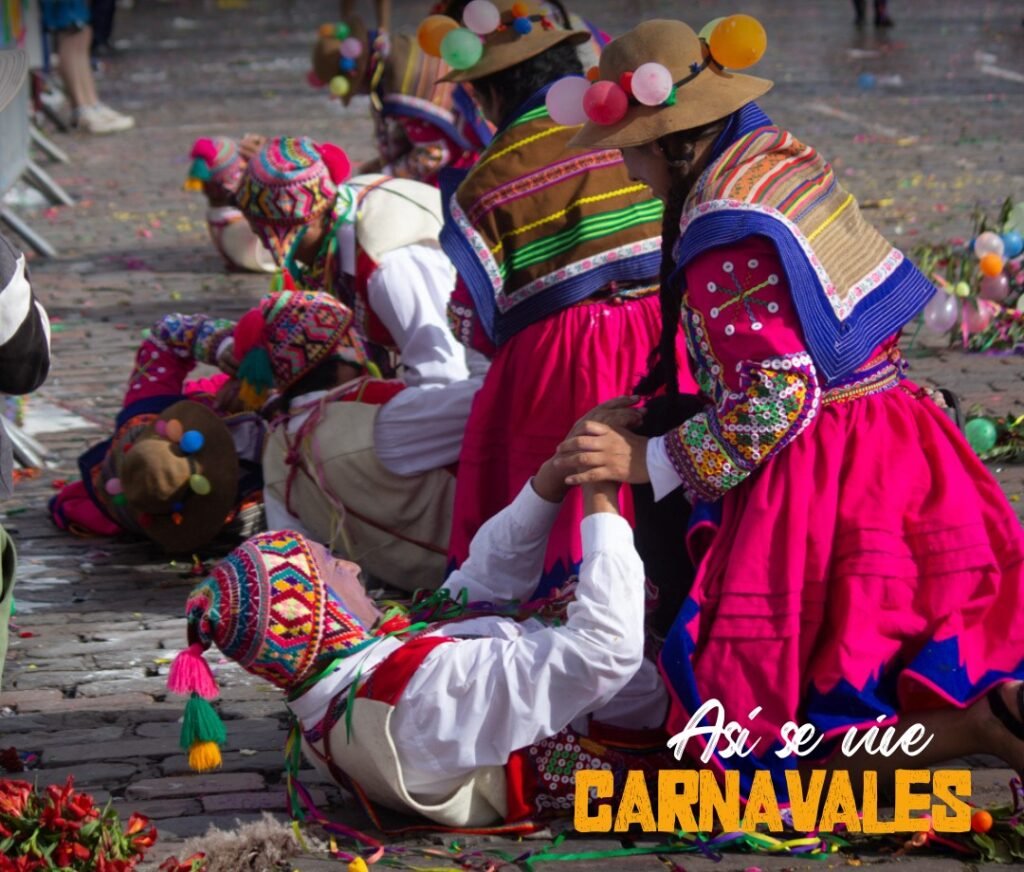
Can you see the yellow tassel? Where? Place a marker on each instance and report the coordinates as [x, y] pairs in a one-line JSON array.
[[193, 185], [358, 865], [204, 756]]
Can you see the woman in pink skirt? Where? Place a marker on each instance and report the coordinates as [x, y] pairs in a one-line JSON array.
[[856, 563]]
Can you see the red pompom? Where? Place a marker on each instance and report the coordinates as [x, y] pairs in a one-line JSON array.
[[626, 83], [338, 164], [249, 332], [204, 149]]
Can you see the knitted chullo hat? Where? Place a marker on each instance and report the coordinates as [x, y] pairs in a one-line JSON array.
[[288, 335], [281, 607], [216, 161], [287, 186]]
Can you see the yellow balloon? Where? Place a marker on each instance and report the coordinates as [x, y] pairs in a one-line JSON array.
[[432, 30], [738, 42], [339, 86]]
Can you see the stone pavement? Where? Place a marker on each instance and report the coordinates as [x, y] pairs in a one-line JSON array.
[[99, 620]]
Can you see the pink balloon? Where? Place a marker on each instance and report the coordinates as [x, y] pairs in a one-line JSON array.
[[941, 313], [652, 84], [995, 287], [481, 16], [565, 100], [605, 103], [351, 48], [978, 315]]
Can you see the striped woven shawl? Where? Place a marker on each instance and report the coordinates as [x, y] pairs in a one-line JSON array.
[[536, 226], [851, 287]]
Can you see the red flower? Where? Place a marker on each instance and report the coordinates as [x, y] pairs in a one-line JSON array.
[[67, 852], [21, 864], [105, 865], [81, 807], [136, 824], [13, 796], [51, 820]]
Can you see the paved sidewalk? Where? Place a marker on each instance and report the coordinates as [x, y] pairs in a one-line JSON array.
[[99, 620]]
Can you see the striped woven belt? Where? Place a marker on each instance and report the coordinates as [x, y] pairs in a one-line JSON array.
[[879, 374]]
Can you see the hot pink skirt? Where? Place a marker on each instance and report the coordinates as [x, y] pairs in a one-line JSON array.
[[540, 383], [872, 568]]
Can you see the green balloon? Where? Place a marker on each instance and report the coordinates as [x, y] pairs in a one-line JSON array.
[[461, 49], [705, 31], [981, 434], [342, 31], [1015, 221]]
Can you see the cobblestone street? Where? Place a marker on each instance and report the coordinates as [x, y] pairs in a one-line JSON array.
[[99, 620]]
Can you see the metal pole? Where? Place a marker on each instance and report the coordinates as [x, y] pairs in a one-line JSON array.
[[37, 242]]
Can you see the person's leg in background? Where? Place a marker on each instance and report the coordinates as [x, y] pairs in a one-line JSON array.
[[69, 21], [102, 26]]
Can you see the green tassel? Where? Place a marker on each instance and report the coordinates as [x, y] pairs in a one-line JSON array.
[[201, 724], [256, 375], [200, 170], [671, 99]]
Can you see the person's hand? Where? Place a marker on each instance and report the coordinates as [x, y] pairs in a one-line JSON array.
[[619, 412], [226, 360], [600, 452], [250, 145]]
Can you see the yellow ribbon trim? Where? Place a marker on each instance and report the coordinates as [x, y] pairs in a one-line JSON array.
[[831, 218], [596, 198]]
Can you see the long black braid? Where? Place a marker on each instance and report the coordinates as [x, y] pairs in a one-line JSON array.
[[679, 149]]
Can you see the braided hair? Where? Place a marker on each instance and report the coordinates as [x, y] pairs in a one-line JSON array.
[[680, 149]]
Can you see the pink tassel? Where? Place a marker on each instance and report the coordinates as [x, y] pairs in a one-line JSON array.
[[337, 162], [206, 149], [190, 673]]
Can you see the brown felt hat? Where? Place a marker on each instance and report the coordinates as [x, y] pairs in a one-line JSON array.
[[505, 47], [157, 481], [711, 94], [326, 59]]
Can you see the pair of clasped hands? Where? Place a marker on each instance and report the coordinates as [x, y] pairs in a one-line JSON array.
[[600, 453]]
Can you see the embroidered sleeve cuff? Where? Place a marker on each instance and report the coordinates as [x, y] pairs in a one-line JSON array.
[[701, 461]]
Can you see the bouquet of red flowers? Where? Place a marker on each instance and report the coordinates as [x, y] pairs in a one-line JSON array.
[[59, 829]]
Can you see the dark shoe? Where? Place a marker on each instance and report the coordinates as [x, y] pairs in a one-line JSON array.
[[953, 407], [883, 21]]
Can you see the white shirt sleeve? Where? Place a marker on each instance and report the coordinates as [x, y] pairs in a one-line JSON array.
[[422, 427], [279, 518], [475, 701], [663, 475], [506, 556], [409, 292]]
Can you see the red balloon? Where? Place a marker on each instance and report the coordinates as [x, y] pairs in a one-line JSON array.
[[605, 102]]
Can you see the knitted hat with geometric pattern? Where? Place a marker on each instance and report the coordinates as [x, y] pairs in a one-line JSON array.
[[217, 162], [287, 186], [288, 335], [281, 607]]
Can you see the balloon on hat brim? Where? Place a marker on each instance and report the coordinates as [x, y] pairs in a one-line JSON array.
[[651, 84], [564, 101], [481, 16], [605, 103], [1013, 244], [989, 243], [432, 31], [461, 49], [738, 42], [351, 48], [340, 86], [705, 31]]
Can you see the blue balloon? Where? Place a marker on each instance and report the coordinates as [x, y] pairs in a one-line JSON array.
[[346, 65], [866, 81], [1013, 243], [191, 442], [522, 26]]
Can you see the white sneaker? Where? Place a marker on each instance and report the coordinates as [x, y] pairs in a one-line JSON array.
[[101, 119]]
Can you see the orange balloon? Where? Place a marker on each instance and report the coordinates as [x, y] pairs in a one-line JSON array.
[[432, 30], [520, 10], [981, 821], [738, 42], [991, 264], [327, 30]]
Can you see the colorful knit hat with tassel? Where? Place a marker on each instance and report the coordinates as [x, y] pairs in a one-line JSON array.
[[216, 161], [287, 186], [281, 607], [288, 335]]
